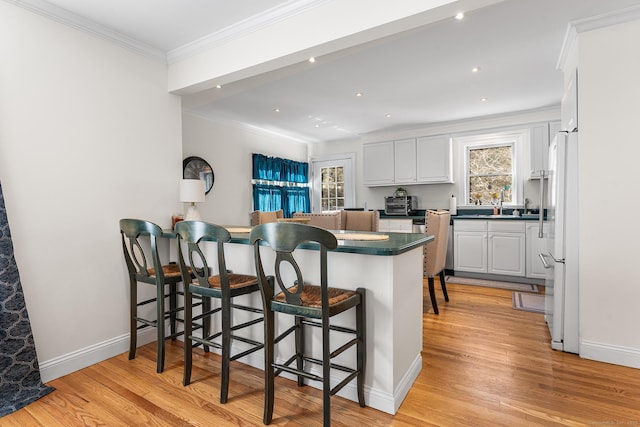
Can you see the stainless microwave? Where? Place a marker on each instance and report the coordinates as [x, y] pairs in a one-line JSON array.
[[400, 205]]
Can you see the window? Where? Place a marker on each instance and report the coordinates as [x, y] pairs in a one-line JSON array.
[[332, 197], [280, 184], [490, 167], [333, 182]]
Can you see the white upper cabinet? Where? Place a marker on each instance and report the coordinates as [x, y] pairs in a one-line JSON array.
[[538, 149], [405, 161], [378, 164], [434, 159], [425, 160]]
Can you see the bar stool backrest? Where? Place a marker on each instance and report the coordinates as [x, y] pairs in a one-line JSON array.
[[131, 230]]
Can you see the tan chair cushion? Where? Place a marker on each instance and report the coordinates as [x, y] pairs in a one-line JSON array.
[[360, 220], [262, 217], [435, 252]]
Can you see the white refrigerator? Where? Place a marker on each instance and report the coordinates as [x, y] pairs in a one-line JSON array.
[[561, 258]]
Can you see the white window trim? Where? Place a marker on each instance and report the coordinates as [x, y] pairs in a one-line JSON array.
[[517, 138], [349, 160]]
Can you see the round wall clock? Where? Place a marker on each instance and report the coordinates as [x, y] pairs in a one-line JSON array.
[[198, 168]]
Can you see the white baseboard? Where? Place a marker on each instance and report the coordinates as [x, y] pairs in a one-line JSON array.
[[617, 355], [374, 398], [71, 362]]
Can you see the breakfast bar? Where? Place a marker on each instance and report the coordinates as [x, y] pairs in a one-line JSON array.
[[389, 267]]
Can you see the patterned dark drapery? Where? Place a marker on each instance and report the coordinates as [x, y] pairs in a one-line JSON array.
[[282, 189], [20, 382]]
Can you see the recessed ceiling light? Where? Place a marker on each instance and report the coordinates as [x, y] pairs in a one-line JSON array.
[[218, 86], [276, 110], [317, 126], [459, 16], [475, 69], [387, 115], [358, 94], [312, 59], [484, 99]]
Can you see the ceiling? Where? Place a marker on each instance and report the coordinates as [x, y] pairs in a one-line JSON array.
[[409, 80]]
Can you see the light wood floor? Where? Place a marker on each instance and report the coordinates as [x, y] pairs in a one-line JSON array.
[[484, 364]]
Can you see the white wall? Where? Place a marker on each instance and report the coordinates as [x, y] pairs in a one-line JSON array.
[[88, 135], [432, 196], [228, 149], [608, 108]]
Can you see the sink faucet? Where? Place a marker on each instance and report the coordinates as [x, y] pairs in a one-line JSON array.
[[501, 200], [526, 205]]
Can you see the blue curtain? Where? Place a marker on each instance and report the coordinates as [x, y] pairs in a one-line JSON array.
[[296, 199], [271, 197], [267, 197]]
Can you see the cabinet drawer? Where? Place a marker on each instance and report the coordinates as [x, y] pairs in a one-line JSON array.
[[509, 226], [469, 225]]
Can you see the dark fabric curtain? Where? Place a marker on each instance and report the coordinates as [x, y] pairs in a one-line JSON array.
[[290, 199], [296, 199], [20, 382], [267, 197]]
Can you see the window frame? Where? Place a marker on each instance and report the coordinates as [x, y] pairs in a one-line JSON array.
[[516, 139]]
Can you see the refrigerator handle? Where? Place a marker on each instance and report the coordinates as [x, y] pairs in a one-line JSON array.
[[541, 212], [544, 261]]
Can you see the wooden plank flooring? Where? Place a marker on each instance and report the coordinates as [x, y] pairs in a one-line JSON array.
[[484, 364]]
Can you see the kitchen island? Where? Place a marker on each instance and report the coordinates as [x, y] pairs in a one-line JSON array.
[[391, 272]]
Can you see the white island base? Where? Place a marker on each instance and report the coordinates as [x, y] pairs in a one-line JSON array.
[[394, 317]]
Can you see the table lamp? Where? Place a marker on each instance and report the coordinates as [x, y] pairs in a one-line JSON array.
[[192, 191]]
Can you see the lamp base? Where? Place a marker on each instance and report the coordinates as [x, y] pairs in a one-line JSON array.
[[192, 214]]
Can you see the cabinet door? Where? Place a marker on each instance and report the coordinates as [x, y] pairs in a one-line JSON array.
[[378, 163], [405, 161], [434, 159], [535, 246], [506, 253], [538, 149], [400, 225], [470, 251]]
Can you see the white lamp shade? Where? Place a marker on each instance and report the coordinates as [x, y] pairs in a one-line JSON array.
[[192, 191]]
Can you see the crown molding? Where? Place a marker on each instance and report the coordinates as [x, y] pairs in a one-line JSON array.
[[244, 27], [593, 23], [70, 19], [252, 24]]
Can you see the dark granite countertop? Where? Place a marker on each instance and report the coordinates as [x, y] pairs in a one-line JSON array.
[[396, 244]]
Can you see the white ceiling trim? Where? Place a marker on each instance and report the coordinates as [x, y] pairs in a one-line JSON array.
[[253, 23], [593, 23], [70, 19]]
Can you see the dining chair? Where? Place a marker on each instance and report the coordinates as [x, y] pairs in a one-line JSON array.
[[311, 306], [207, 284], [435, 253], [326, 220], [133, 231], [360, 220], [262, 217]]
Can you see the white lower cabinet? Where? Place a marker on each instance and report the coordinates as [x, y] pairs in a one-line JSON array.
[[494, 247], [535, 246], [396, 225], [470, 246]]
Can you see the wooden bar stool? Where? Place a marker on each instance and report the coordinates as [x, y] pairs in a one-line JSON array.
[[308, 304], [159, 276], [224, 286]]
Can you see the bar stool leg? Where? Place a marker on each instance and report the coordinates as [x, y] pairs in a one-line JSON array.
[[432, 294]]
